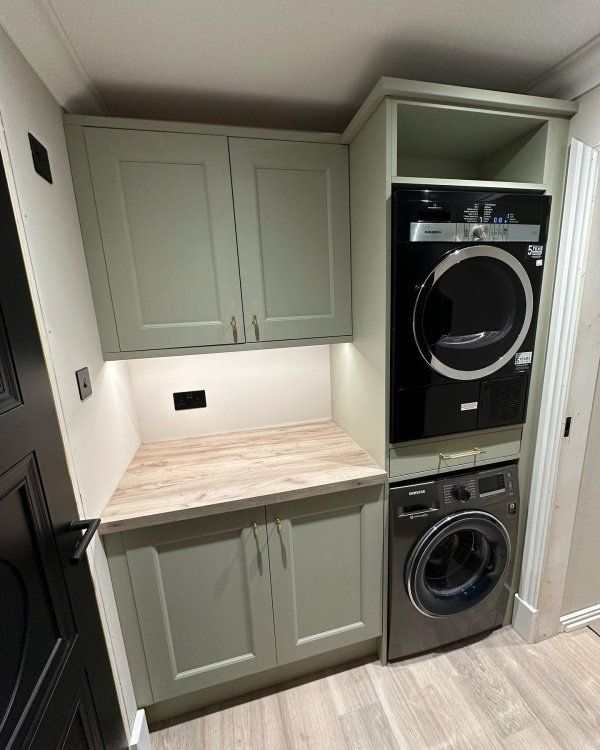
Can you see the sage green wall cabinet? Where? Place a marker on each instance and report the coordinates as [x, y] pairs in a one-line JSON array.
[[293, 229], [213, 599], [203, 598], [326, 570], [168, 232], [180, 225]]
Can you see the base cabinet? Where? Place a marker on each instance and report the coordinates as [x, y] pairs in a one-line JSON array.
[[203, 599], [326, 562], [210, 600]]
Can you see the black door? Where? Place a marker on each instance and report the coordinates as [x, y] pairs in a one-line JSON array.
[[473, 312], [457, 563], [56, 685]]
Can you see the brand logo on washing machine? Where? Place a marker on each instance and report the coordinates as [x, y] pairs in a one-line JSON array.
[[417, 492]]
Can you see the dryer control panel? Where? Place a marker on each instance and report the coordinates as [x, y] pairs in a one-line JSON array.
[[473, 232], [442, 216]]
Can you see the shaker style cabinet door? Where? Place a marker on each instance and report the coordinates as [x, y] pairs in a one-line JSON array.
[[203, 597], [326, 571], [293, 228], [166, 220]]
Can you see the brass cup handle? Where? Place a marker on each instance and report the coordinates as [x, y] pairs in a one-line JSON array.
[[234, 328], [255, 324], [462, 454], [278, 524], [254, 527]]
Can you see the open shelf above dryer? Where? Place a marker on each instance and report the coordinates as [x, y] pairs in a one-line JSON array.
[[469, 147]]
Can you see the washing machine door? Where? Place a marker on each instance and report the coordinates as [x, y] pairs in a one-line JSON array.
[[473, 312], [457, 563]]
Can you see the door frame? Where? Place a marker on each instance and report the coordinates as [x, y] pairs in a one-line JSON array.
[[558, 460]]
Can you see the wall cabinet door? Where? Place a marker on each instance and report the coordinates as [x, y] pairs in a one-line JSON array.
[[326, 571], [293, 229], [166, 219], [203, 597]]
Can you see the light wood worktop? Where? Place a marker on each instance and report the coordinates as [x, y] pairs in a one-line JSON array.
[[191, 477]]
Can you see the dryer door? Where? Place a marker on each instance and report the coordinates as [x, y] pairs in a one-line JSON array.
[[473, 312], [457, 563]]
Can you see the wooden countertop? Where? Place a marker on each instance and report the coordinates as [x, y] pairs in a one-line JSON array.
[[191, 477]]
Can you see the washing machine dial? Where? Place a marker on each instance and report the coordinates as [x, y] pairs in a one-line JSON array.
[[461, 493]]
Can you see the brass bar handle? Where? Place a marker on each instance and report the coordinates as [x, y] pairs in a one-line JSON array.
[[234, 328], [254, 526], [255, 324], [462, 454], [278, 524]]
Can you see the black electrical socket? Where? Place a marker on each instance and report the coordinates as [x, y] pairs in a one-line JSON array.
[[189, 400]]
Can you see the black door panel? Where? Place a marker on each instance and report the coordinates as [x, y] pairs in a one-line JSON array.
[[56, 684]]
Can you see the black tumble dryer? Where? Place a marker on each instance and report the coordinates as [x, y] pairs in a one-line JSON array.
[[466, 277]]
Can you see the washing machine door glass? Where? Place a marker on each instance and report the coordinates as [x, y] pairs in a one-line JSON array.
[[457, 564], [473, 312]]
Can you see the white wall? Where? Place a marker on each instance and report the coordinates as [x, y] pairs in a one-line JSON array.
[[101, 434], [244, 390]]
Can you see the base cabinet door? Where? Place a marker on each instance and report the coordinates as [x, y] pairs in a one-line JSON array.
[[203, 598], [165, 212], [293, 229], [326, 571]]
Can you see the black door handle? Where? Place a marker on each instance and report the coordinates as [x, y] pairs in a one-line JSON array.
[[90, 525]]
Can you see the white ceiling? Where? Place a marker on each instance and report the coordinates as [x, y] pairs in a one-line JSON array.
[[308, 64]]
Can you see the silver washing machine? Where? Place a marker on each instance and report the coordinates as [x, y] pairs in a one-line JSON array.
[[452, 546]]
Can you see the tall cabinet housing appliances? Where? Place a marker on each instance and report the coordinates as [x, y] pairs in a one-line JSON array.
[[466, 277]]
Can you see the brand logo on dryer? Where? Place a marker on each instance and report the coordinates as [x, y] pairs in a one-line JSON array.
[[417, 492], [433, 231]]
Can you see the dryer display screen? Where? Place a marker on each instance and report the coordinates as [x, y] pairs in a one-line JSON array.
[[493, 485]]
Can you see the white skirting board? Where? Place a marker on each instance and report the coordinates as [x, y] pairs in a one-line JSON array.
[[140, 734], [581, 618], [524, 619]]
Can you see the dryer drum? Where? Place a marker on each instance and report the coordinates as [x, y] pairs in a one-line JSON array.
[[473, 312], [457, 563]]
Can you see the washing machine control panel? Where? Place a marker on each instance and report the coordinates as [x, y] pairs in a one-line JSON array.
[[489, 485], [430, 498]]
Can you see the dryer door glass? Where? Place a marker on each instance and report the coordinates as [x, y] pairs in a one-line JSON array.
[[457, 563], [473, 312]]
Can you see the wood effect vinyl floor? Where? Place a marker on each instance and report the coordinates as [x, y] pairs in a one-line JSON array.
[[497, 692]]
